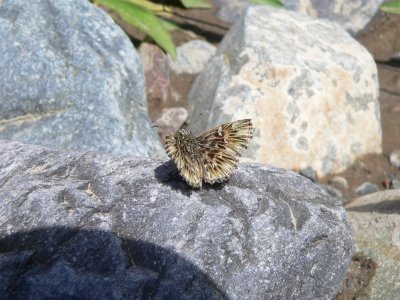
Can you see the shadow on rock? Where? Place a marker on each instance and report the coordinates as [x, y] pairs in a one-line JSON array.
[[70, 263], [168, 174], [384, 207]]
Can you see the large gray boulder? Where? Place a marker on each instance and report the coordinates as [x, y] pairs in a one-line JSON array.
[[84, 225], [310, 89], [71, 79]]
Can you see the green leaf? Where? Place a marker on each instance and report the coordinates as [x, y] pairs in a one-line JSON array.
[[144, 20], [274, 3], [392, 7], [158, 9], [169, 25], [195, 4]]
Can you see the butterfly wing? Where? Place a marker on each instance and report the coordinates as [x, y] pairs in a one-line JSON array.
[[181, 147], [220, 148]]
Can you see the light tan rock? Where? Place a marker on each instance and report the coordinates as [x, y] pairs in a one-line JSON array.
[[310, 88]]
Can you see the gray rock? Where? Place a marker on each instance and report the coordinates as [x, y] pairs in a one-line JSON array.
[[192, 57], [299, 79], [376, 223], [309, 173], [77, 224], [395, 158], [352, 16], [395, 184], [231, 10], [366, 188], [333, 191], [71, 79], [339, 181]]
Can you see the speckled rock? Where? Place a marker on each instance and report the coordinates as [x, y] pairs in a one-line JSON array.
[[353, 16], [71, 79], [77, 224], [310, 88], [376, 222]]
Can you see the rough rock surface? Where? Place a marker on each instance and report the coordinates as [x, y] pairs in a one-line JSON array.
[[71, 79], [310, 88], [352, 16], [376, 222], [78, 223]]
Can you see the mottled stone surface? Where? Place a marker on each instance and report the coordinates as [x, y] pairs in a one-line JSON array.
[[71, 79], [352, 16], [376, 222], [310, 88], [78, 223]]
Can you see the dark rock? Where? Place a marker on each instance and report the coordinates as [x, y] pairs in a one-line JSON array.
[[332, 191], [309, 173], [76, 224]]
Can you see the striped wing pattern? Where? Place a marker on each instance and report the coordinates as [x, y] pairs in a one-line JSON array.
[[213, 155]]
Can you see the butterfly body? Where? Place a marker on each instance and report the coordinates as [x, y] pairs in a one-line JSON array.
[[213, 155]]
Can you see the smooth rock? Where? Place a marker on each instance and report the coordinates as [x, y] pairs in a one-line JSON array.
[[71, 79], [339, 181], [376, 224], [192, 57], [395, 184], [300, 80], [79, 223], [366, 188], [394, 158]]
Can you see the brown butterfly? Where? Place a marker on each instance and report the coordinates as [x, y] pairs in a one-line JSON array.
[[213, 155]]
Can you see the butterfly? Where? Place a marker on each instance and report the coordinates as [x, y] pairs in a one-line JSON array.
[[213, 155]]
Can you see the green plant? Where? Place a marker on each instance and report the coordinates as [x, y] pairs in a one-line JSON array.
[[150, 18], [275, 3], [392, 7]]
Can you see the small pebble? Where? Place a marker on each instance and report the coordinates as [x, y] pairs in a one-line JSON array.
[[367, 188], [309, 173], [339, 181], [395, 158], [395, 184], [332, 191]]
